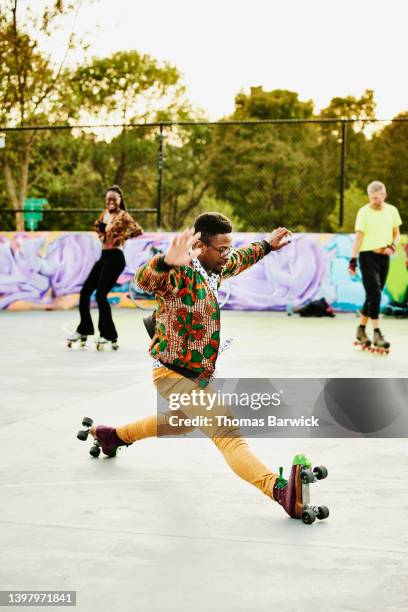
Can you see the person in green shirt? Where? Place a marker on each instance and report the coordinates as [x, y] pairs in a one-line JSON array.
[[377, 236]]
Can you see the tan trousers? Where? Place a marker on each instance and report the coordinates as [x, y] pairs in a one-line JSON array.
[[226, 438]]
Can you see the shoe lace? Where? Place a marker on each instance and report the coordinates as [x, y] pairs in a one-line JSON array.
[[281, 482]]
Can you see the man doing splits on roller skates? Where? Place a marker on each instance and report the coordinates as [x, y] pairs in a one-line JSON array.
[[185, 347], [377, 236]]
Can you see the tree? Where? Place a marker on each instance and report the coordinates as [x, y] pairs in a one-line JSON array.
[[186, 173], [390, 161], [126, 87], [358, 152], [130, 86], [359, 109], [31, 89], [276, 104], [270, 173], [133, 88], [354, 198]]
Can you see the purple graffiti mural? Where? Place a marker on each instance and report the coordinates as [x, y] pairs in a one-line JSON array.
[[28, 276], [47, 270], [290, 276], [24, 274], [71, 257]]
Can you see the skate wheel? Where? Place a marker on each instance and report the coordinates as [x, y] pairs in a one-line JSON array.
[[320, 472], [306, 476], [87, 422], [308, 517], [323, 512], [99, 347], [69, 344], [95, 451], [82, 435], [115, 346]]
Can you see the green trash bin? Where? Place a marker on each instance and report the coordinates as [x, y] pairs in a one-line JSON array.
[[33, 208]]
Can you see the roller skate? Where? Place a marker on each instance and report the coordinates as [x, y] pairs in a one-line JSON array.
[[77, 337], [102, 342], [294, 494], [362, 340], [105, 439], [380, 345]]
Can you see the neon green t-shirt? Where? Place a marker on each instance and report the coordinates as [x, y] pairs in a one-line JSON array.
[[377, 226]]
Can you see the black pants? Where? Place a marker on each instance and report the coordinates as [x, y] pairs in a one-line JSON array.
[[374, 270], [102, 277]]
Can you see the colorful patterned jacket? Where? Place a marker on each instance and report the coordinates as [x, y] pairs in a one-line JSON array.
[[188, 316], [119, 230]]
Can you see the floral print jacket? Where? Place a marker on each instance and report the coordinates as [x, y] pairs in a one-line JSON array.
[[119, 230], [188, 316]]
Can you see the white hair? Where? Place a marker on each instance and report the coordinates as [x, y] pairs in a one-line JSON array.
[[375, 186]]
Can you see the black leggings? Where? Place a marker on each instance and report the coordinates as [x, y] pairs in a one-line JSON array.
[[374, 270], [102, 277]]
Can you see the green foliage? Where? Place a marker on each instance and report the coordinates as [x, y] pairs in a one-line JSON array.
[[127, 84], [351, 107], [276, 104], [390, 162], [259, 175], [270, 173], [210, 203], [354, 198]]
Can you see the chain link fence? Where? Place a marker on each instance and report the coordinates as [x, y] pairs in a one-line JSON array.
[[309, 175]]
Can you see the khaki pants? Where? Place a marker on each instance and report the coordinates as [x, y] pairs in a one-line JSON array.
[[226, 438]]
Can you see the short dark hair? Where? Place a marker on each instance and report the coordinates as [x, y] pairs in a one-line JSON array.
[[210, 224]]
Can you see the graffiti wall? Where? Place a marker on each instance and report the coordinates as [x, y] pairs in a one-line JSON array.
[[45, 270]]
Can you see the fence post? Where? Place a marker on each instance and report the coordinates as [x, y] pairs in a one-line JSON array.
[[342, 171], [159, 177]]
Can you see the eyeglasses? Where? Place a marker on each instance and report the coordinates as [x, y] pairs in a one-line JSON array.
[[223, 251]]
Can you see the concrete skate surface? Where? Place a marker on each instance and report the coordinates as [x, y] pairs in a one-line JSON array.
[[166, 525]]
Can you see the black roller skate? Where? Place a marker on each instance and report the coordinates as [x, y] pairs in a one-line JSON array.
[[362, 340], [380, 344]]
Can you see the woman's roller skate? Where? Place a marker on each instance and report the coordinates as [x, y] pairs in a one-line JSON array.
[[362, 340], [105, 438], [77, 337], [380, 344], [293, 494], [101, 343]]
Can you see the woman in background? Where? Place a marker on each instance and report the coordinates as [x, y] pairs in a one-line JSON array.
[[113, 226]]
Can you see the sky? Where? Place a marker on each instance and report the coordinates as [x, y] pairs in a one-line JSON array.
[[318, 48]]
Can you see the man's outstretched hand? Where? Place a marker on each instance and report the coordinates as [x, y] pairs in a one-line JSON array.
[[180, 253], [278, 238]]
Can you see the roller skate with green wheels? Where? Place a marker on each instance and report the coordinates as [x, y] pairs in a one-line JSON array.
[[294, 494]]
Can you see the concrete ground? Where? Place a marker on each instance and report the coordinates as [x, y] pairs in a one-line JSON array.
[[166, 525]]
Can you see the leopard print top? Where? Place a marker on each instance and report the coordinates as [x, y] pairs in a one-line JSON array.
[[122, 227]]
